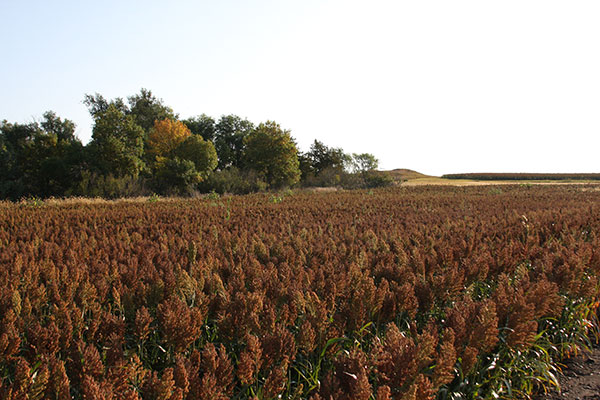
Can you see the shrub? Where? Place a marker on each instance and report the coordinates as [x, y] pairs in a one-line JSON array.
[[175, 176], [366, 180], [232, 180], [108, 186]]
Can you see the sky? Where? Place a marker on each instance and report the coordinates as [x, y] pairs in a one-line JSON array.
[[435, 86]]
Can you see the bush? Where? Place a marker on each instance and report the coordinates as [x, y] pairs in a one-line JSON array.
[[375, 179], [367, 180], [330, 176], [176, 176], [108, 186], [232, 180]]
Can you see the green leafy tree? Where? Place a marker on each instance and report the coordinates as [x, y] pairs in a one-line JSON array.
[[202, 125], [229, 140], [364, 162], [97, 104], [39, 159], [61, 168], [170, 144], [60, 154], [272, 152], [145, 108], [53, 165], [323, 165], [53, 124], [117, 143], [199, 151], [16, 141], [176, 176], [320, 158]]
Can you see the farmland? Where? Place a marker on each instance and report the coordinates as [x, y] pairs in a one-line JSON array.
[[407, 177], [524, 177], [398, 293]]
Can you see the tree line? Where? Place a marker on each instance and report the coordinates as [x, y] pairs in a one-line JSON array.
[[141, 146]]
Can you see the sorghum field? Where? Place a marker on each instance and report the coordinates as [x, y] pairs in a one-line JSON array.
[[403, 293]]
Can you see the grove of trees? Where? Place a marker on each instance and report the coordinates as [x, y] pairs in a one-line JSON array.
[[141, 146]]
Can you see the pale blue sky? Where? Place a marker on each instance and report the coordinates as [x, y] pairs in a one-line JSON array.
[[433, 85]]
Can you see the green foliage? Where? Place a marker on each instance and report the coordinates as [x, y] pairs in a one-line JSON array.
[[229, 140], [202, 125], [199, 151], [16, 141], [324, 166], [375, 179], [176, 176], [280, 196], [271, 152], [515, 372], [39, 159], [574, 328], [60, 170], [46, 159], [97, 104], [145, 108], [329, 177], [364, 162], [33, 202], [117, 144], [213, 196], [358, 180], [154, 198], [53, 124], [108, 186], [233, 180], [321, 158]]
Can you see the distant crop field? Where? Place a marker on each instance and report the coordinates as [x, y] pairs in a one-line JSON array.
[[523, 177], [398, 293]]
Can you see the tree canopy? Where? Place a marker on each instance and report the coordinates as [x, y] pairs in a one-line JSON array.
[[139, 146], [41, 159], [146, 109], [166, 136], [117, 143], [272, 152], [202, 125], [364, 162], [231, 131], [321, 157], [199, 151]]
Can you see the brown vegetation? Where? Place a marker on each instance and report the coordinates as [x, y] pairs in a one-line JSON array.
[[524, 176], [395, 293]]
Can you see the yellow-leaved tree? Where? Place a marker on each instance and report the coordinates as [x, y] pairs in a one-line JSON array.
[[179, 159], [166, 136]]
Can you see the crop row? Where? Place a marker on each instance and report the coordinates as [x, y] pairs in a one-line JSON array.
[[398, 293], [523, 176]]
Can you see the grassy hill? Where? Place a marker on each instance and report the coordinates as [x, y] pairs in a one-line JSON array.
[[403, 174]]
